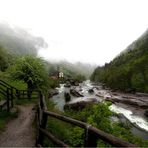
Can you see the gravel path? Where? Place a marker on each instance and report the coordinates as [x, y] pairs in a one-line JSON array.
[[20, 132]]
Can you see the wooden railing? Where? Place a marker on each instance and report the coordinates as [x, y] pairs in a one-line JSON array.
[[27, 94], [92, 134], [10, 93]]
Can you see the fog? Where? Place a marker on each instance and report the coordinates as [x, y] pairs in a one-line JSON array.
[[81, 30], [17, 40]]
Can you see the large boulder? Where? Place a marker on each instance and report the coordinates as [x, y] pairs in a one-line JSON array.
[[146, 113], [80, 105], [91, 91], [67, 85], [67, 97], [75, 93]]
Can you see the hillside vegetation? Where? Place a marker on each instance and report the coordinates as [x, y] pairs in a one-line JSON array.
[[129, 70]]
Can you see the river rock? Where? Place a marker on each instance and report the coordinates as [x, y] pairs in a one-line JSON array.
[[67, 97], [100, 95], [129, 100], [75, 93], [73, 82], [52, 93], [91, 91], [80, 105], [146, 113], [141, 94], [67, 85]]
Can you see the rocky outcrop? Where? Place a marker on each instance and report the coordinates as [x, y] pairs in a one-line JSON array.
[[129, 101], [142, 94], [75, 93]]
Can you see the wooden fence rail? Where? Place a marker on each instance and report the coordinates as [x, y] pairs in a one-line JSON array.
[[92, 134], [9, 93]]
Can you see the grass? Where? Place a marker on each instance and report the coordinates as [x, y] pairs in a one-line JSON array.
[[33, 100], [5, 117], [26, 101]]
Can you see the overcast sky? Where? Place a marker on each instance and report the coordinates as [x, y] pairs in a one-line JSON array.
[[92, 31]]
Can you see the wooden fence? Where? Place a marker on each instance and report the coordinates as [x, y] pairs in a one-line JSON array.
[[9, 93], [92, 134]]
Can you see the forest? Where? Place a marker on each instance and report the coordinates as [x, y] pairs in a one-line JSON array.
[[129, 70]]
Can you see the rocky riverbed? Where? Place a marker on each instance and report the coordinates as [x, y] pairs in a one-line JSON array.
[[132, 106]]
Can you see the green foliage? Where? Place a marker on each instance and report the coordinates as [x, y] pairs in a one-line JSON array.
[[80, 78], [5, 59], [138, 81], [17, 83], [27, 101], [100, 117], [71, 135], [76, 137], [32, 71], [58, 128], [53, 82]]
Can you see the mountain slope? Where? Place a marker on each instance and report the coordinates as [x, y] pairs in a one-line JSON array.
[[129, 70], [17, 40]]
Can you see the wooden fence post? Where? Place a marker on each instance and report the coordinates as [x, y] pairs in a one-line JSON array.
[[29, 94], [44, 118], [90, 138], [43, 125], [18, 94], [11, 97], [8, 97]]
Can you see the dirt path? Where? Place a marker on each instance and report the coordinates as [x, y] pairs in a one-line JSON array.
[[20, 132]]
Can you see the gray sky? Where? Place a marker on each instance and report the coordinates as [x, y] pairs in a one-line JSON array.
[[92, 31]]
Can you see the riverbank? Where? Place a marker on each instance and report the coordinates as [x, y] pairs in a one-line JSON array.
[[100, 94]]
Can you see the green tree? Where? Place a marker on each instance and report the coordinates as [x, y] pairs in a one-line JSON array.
[[5, 59], [32, 71], [138, 81], [80, 78]]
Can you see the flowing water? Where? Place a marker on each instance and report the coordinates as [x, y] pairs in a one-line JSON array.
[[140, 124]]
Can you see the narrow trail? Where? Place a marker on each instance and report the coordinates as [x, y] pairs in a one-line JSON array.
[[20, 131]]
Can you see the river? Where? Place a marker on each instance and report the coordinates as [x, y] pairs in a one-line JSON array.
[[139, 122]]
